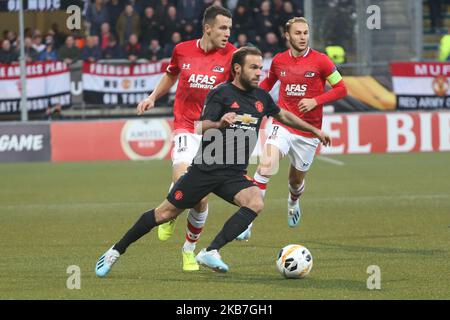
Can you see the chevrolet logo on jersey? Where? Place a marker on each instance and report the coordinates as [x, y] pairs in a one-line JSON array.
[[246, 119], [247, 122]]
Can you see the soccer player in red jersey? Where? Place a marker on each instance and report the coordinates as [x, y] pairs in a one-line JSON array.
[[302, 73], [198, 65]]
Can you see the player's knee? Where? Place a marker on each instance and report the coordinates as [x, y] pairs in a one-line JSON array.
[[202, 205], [164, 214], [264, 171], [268, 168], [257, 205]]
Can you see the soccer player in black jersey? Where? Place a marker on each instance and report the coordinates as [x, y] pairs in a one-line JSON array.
[[229, 123]]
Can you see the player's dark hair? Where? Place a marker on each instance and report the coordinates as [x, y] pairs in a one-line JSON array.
[[213, 11], [240, 54]]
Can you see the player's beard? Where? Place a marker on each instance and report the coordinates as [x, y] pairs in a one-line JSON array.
[[297, 48], [247, 83]]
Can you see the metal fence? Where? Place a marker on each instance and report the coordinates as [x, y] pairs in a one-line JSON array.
[[372, 32]]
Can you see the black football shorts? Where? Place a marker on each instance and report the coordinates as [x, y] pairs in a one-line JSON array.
[[195, 184]]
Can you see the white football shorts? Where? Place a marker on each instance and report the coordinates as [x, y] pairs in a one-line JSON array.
[[300, 149], [185, 147]]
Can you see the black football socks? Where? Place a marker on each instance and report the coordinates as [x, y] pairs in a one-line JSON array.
[[143, 226], [233, 227]]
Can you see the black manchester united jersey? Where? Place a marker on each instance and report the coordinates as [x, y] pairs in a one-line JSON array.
[[227, 150]]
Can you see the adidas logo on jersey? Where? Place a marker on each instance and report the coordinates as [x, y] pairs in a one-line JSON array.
[[234, 105], [298, 90]]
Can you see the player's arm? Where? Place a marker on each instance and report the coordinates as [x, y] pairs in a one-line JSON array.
[[212, 115], [225, 121], [337, 91], [163, 87], [268, 83], [293, 121], [167, 81]]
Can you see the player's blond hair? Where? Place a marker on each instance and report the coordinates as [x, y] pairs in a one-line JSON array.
[[290, 22]]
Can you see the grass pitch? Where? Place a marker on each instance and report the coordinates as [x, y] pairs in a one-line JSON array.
[[392, 211]]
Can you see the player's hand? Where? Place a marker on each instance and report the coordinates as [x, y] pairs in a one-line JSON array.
[[144, 105], [306, 105], [227, 119], [324, 137]]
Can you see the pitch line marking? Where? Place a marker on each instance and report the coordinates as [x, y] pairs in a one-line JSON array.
[[330, 160]]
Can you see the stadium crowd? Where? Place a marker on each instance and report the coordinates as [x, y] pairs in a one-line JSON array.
[[150, 29]]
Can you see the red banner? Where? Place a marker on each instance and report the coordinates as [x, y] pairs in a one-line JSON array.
[[388, 132], [351, 134], [421, 85]]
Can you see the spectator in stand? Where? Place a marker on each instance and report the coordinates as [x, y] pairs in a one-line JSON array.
[[242, 41], [287, 13], [114, 8], [161, 8], [265, 22], [231, 4], [96, 15], [243, 22], [28, 32], [153, 52], [128, 23], [168, 48], [189, 32], [140, 5], [188, 10], [69, 52], [12, 37], [270, 46], [255, 4], [4, 34], [105, 35], [299, 7], [113, 50], [37, 42], [171, 24], [49, 54], [31, 54], [91, 51], [132, 48], [435, 14], [276, 10], [58, 36], [7, 54], [149, 26]]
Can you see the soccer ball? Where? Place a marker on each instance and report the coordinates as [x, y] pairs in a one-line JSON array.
[[294, 261]]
